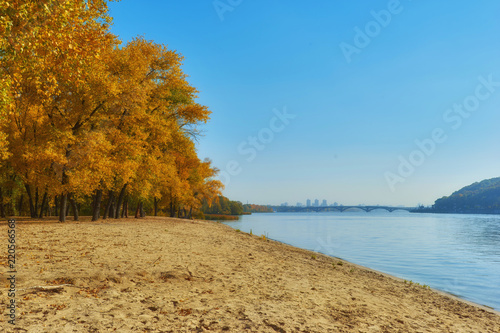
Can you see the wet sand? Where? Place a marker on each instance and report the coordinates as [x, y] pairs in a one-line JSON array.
[[172, 275]]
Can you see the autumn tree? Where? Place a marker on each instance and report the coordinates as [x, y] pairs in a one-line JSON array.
[[57, 87], [82, 117], [157, 108]]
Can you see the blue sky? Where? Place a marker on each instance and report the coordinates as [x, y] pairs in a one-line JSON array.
[[358, 102]]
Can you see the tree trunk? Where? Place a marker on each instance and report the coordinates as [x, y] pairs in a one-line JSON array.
[[111, 213], [156, 206], [96, 207], [172, 207], [120, 201], [64, 197], [20, 207], [30, 200], [190, 216], [143, 214], [56, 204], [63, 204], [138, 210], [10, 210], [48, 208], [44, 203], [35, 215], [107, 211], [125, 208], [2, 207], [74, 207]]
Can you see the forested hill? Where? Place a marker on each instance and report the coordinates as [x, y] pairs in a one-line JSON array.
[[482, 197]]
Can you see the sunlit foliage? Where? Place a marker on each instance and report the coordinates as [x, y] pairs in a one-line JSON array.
[[84, 118]]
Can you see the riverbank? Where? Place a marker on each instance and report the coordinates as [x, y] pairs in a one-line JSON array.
[[171, 275], [463, 212]]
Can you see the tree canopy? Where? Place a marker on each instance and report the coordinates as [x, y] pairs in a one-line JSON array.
[[84, 117]]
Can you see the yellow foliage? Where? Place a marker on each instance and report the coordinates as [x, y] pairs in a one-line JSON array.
[[83, 114]]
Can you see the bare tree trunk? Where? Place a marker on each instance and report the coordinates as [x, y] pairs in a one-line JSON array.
[[2, 207], [74, 207], [156, 206], [63, 204], [172, 207], [30, 200], [138, 210], [143, 214], [56, 204], [35, 215], [48, 208], [125, 208], [107, 211], [10, 209], [43, 205], [111, 213], [63, 212], [120, 201], [96, 207], [20, 207]]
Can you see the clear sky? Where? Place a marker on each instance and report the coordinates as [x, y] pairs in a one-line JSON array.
[[358, 102]]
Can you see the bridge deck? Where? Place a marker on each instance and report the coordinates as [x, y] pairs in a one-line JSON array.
[[342, 208]]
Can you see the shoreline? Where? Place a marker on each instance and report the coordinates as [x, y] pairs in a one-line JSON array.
[[173, 275], [388, 275], [424, 211], [442, 292]]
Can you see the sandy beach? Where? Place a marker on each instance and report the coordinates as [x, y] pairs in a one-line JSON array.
[[171, 275]]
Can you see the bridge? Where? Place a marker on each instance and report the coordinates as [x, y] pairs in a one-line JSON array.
[[340, 208]]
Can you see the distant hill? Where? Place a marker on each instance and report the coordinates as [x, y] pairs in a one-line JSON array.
[[478, 198]]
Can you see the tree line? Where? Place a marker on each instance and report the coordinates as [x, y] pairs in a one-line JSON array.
[[222, 206], [90, 124]]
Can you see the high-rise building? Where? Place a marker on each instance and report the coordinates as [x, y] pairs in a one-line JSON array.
[[316, 203], [324, 204], [308, 203]]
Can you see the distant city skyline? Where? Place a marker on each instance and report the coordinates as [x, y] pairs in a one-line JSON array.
[[324, 203], [309, 203]]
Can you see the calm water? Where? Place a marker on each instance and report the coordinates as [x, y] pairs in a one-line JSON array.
[[459, 254]]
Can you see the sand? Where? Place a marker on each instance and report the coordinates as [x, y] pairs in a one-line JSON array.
[[172, 275]]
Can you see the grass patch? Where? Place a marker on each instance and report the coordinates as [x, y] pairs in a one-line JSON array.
[[411, 283]]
